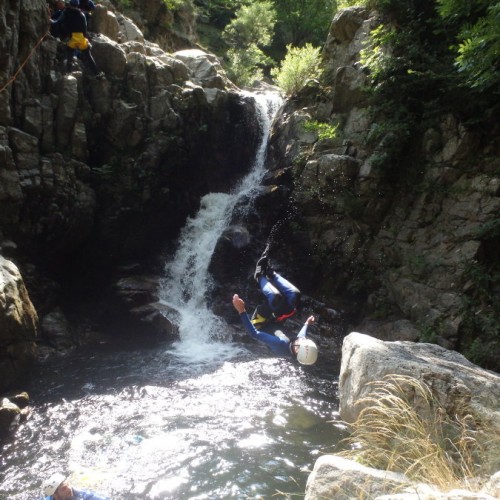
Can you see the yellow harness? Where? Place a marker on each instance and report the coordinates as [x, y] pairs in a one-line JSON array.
[[78, 41]]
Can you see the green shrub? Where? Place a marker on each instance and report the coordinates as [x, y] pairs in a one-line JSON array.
[[322, 129], [174, 4], [479, 51], [251, 29], [245, 66], [253, 25], [300, 64], [170, 4]]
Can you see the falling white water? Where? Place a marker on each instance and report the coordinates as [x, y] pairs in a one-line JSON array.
[[187, 280]]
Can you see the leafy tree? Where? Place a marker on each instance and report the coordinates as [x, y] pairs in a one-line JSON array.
[[461, 9], [245, 66], [251, 29], [476, 27], [253, 24], [300, 64], [174, 4], [218, 12], [478, 50], [304, 21]]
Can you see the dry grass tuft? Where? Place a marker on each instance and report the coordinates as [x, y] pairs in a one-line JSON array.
[[404, 429]]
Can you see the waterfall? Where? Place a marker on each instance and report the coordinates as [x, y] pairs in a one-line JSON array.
[[187, 280]]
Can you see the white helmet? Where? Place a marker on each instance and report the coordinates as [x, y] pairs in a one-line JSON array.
[[307, 353], [52, 483]]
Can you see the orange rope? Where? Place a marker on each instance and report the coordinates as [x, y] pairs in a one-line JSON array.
[[15, 75]]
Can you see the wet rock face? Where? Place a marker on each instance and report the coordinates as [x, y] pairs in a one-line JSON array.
[[94, 173], [399, 251], [18, 327], [89, 162]]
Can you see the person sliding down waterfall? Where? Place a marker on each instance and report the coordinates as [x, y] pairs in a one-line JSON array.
[[282, 299]]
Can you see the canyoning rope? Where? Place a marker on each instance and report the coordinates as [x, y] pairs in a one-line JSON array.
[[16, 74]]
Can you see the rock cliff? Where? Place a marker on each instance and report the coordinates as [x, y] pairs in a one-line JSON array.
[[98, 173], [408, 251], [98, 176]]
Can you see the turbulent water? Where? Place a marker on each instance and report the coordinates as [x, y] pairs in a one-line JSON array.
[[202, 418]]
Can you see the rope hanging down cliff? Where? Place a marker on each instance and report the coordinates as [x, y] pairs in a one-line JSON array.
[[16, 74]]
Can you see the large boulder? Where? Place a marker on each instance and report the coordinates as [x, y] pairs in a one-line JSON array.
[[136, 307], [449, 375], [18, 327], [345, 39], [206, 69], [452, 381], [342, 479]]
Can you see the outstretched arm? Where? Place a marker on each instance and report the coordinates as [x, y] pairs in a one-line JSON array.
[[239, 304], [275, 343], [309, 321]]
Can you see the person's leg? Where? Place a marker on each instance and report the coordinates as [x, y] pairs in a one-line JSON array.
[[70, 55], [89, 61], [273, 296], [290, 291]]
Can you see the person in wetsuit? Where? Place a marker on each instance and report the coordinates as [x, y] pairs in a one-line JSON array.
[[73, 23], [282, 298], [57, 487]]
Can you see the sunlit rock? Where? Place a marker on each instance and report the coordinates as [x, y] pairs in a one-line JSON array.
[[339, 478], [18, 327], [109, 56], [451, 377], [336, 477], [205, 68], [10, 415]]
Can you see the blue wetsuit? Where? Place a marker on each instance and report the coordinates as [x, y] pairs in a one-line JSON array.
[[278, 345], [282, 298], [83, 495]]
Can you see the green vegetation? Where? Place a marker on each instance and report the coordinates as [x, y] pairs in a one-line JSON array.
[[322, 129], [426, 52], [300, 22], [300, 64], [244, 67], [174, 4], [426, 59], [251, 29], [461, 32], [479, 35], [170, 4], [256, 35], [429, 446]]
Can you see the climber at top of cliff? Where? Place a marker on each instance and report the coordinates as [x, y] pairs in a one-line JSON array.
[[87, 6], [73, 23], [57, 10]]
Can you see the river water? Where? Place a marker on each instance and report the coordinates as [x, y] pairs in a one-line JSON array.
[[200, 418]]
